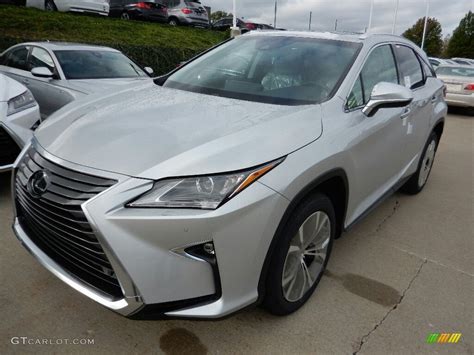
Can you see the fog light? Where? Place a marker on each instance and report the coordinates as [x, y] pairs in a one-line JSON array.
[[209, 248]]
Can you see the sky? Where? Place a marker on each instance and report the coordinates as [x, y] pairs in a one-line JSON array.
[[352, 15]]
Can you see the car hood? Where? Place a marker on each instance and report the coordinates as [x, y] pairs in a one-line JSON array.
[[159, 132], [9, 88], [91, 86]]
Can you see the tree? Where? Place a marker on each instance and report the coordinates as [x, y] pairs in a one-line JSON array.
[[217, 15], [446, 41], [462, 40], [433, 41]]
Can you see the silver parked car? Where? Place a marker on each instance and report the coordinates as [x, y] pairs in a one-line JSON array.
[[187, 12], [226, 184], [98, 7], [19, 116], [459, 80], [58, 73]]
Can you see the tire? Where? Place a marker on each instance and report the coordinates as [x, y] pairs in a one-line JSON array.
[[50, 6], [288, 262], [125, 16], [418, 180], [173, 21]]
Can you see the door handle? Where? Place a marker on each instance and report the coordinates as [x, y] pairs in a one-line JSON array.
[[406, 112]]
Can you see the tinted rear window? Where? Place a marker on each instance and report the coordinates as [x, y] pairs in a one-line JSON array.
[[456, 71]]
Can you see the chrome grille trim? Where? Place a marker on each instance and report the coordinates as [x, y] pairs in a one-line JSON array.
[[56, 223]]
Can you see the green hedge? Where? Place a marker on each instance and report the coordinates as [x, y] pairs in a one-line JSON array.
[[159, 46]]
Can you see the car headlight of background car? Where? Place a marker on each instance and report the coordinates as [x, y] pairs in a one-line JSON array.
[[203, 192], [21, 102]]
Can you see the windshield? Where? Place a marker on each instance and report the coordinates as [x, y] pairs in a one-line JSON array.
[[456, 71], [77, 64], [279, 70]]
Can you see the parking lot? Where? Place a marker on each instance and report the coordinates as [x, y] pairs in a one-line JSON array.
[[402, 273]]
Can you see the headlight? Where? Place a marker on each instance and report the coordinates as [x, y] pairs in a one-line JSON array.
[[203, 192], [21, 102]]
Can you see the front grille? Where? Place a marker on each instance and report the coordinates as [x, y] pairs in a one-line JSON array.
[[9, 150], [56, 223]]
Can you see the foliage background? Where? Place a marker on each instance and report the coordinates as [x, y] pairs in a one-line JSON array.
[[159, 46]]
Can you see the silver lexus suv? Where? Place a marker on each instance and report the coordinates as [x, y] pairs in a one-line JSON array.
[[226, 184]]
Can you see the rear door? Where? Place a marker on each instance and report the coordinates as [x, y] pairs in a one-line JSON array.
[[417, 124]]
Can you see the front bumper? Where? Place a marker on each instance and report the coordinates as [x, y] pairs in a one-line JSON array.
[[143, 246], [460, 100]]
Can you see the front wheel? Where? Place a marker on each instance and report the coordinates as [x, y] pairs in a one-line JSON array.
[[301, 255], [418, 180], [50, 6], [125, 16]]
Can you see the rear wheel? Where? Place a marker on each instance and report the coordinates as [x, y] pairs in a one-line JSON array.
[[173, 21], [418, 180], [50, 6], [301, 255]]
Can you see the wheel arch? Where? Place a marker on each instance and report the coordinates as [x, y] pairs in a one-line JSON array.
[[53, 2], [172, 17], [438, 128], [334, 184]]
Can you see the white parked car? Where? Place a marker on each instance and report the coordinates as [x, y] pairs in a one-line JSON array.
[[459, 82], [59, 73], [19, 115], [100, 7]]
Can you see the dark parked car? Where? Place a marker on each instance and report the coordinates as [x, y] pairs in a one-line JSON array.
[[144, 10], [226, 23]]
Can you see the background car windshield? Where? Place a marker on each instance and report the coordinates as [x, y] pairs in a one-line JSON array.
[[278, 70], [456, 71], [97, 65]]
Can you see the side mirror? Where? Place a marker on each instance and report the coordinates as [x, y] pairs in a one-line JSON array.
[[149, 70], [386, 95], [42, 72]]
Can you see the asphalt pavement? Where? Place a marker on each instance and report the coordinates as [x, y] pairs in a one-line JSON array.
[[404, 272]]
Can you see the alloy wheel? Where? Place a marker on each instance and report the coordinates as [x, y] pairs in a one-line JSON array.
[[306, 256], [427, 163]]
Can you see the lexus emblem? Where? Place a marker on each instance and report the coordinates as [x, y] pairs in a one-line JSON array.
[[38, 183]]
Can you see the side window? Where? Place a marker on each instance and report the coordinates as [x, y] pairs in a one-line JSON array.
[[356, 97], [173, 3], [17, 58], [40, 58], [379, 66], [427, 69], [410, 68]]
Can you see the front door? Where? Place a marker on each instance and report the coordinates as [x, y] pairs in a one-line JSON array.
[[378, 142]]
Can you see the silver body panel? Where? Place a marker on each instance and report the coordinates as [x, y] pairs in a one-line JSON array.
[[148, 135]]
